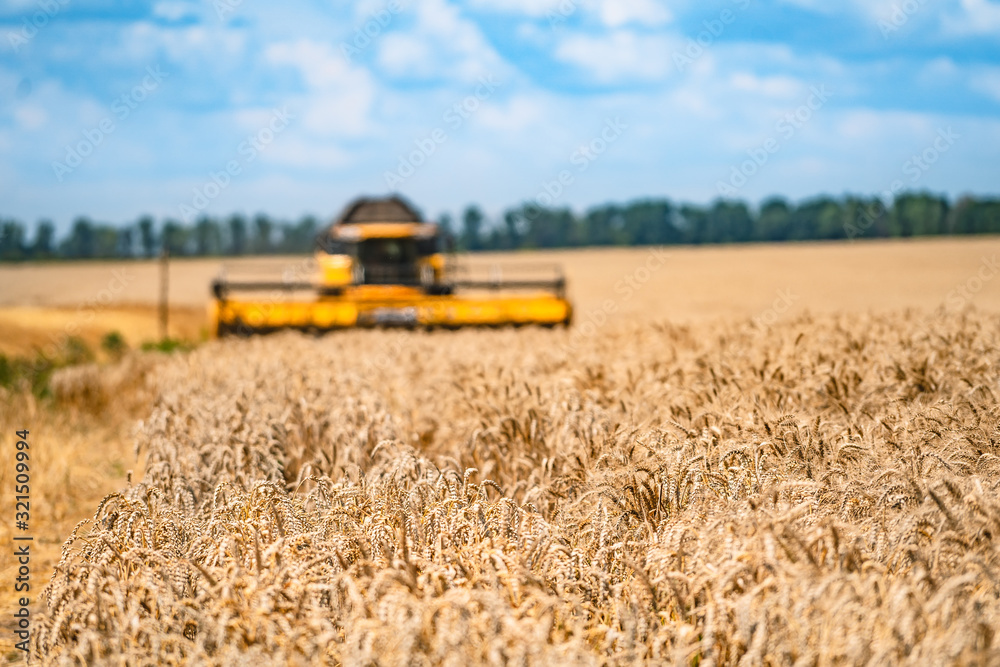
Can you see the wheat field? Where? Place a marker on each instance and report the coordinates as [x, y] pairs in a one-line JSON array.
[[796, 485]]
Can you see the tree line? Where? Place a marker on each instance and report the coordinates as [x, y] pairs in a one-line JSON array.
[[641, 222]]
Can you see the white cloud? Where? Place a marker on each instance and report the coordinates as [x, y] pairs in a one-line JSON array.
[[439, 44], [610, 13], [402, 54], [938, 70], [977, 17], [533, 8], [340, 95], [206, 46], [305, 152], [30, 116], [881, 127], [783, 87], [174, 10], [621, 55], [520, 113], [987, 81], [873, 10], [616, 13]]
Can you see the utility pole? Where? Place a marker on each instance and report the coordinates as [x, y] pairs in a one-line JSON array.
[[164, 291]]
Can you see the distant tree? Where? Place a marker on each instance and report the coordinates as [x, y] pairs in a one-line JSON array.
[[44, 246], [865, 217], [512, 230], [649, 222], [126, 242], [175, 238], [207, 236], [818, 218], [263, 228], [551, 228], [447, 229], [640, 222], [972, 216], [446, 224], [147, 235], [830, 219], [774, 220], [237, 235], [12, 241], [299, 237], [694, 224], [472, 225], [729, 222], [989, 211], [598, 226], [918, 214], [80, 244], [105, 241]]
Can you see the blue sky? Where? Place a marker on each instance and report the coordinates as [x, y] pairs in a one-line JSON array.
[[174, 108]]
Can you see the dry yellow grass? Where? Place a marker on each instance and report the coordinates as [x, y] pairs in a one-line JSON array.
[[811, 486], [79, 453], [27, 330]]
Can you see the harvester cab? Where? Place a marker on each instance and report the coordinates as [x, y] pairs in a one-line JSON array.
[[381, 264]]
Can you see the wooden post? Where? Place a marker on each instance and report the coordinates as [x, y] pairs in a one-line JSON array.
[[164, 291]]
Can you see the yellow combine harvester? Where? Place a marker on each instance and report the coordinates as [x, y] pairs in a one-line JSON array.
[[381, 265]]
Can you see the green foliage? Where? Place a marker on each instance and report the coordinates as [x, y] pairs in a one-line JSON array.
[[33, 373], [208, 237], [975, 217], [263, 240], [12, 244], [76, 351], [175, 238], [640, 222], [472, 223], [6, 371], [237, 235], [167, 345], [19, 373], [660, 222], [147, 235], [114, 344]]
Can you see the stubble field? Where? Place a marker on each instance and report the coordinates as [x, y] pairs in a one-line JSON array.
[[739, 456]]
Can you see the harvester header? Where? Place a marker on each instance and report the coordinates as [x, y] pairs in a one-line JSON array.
[[381, 265]]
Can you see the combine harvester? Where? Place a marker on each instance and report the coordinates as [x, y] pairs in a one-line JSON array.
[[381, 265]]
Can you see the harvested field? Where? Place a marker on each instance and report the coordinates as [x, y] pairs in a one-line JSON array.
[[694, 284], [817, 487]]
